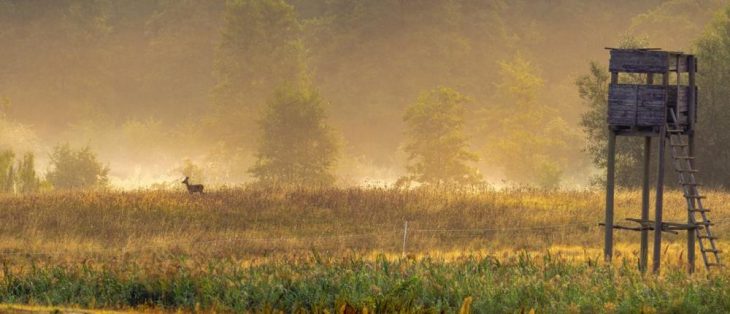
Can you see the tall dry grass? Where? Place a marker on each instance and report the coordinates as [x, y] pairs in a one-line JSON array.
[[254, 223]]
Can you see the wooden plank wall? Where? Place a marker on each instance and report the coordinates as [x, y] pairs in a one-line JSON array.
[[638, 61], [647, 61], [622, 104], [643, 105]]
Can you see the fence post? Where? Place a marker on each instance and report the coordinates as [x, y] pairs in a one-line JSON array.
[[405, 236]]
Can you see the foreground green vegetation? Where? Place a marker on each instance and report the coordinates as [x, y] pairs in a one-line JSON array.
[[316, 284]]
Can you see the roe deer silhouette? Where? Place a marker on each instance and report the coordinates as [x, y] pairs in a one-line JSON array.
[[193, 188]]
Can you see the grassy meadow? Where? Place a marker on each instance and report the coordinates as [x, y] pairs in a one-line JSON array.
[[341, 250]]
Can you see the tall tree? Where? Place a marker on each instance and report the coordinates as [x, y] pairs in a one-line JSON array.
[[373, 58], [437, 147], [296, 146], [713, 140], [674, 24], [260, 48], [526, 139]]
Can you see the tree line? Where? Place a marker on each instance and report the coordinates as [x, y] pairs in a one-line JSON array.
[[289, 91], [70, 169], [439, 151]]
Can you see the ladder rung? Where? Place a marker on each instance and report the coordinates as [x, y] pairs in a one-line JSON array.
[[711, 250], [686, 170], [702, 236], [675, 131], [685, 157], [700, 210], [714, 265]]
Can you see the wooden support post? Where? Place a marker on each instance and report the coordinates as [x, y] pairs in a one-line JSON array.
[[610, 173], [659, 201], [660, 184], [691, 232], [644, 254], [692, 119], [691, 96]]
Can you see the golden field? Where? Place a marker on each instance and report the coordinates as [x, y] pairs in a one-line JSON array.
[[252, 224], [267, 250]]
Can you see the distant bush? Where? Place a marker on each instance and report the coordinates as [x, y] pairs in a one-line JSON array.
[[22, 177], [191, 170], [296, 145], [26, 179], [7, 176], [76, 169]]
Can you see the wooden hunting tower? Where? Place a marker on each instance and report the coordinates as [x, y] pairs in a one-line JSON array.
[[637, 106]]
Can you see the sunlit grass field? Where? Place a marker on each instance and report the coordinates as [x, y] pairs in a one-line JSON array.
[[345, 250]]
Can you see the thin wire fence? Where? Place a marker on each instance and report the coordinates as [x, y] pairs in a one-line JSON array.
[[405, 233]]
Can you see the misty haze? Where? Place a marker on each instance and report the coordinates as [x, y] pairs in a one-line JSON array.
[[364, 156], [153, 86]]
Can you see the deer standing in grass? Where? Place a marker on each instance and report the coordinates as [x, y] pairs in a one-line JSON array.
[[193, 188]]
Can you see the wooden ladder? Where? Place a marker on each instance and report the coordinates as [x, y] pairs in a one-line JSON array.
[[683, 165]]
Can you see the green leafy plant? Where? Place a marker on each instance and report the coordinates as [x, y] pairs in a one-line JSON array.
[[437, 147], [76, 169]]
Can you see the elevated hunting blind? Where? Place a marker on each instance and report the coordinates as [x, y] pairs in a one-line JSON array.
[[642, 108], [637, 106]]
